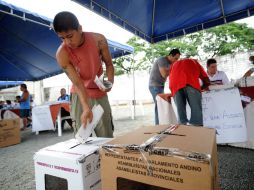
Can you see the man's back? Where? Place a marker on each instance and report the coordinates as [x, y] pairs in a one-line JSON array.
[[186, 72], [155, 76], [25, 104]]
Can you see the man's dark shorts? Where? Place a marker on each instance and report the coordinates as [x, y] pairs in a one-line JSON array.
[[24, 113]]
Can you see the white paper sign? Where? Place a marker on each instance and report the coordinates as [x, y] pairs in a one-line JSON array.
[[83, 133], [222, 110], [41, 118]]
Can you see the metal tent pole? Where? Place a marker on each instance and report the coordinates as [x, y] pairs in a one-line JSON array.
[[134, 89]]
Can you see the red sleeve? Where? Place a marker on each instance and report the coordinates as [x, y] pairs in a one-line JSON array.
[[202, 74]]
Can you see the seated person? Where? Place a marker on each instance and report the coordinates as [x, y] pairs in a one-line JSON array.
[[251, 70], [64, 96], [1, 104], [216, 77], [8, 104], [16, 104], [64, 113]]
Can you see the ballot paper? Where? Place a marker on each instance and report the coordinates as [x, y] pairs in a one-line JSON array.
[[83, 133], [102, 84]]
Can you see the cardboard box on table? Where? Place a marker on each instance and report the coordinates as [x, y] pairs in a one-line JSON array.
[[161, 158], [69, 165], [9, 132]]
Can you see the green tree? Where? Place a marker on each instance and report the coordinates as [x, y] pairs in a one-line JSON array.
[[227, 39], [129, 63], [221, 40]]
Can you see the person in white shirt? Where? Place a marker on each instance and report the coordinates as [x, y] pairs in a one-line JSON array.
[[17, 105], [251, 70], [8, 105], [216, 77]]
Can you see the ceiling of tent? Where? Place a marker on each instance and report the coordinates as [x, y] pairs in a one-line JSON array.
[[28, 45], [9, 84], [157, 20]]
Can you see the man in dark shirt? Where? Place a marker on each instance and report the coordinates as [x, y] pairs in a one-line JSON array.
[[159, 74]]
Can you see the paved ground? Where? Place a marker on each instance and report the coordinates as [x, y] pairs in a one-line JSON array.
[[236, 166]]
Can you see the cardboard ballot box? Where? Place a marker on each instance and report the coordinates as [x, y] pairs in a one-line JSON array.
[[9, 132], [69, 166], [161, 158]]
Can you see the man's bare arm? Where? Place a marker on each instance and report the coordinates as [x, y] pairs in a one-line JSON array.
[[164, 72], [106, 56], [63, 61], [206, 82], [25, 97], [248, 73]]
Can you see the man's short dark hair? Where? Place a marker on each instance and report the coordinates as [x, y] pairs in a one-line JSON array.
[[23, 86], [174, 52], [251, 58], [65, 21], [210, 61], [8, 102]]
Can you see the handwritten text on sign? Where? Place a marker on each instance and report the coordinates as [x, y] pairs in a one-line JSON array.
[[42, 119], [222, 110]]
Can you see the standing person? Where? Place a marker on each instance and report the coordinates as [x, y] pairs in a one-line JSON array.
[[81, 55], [251, 70], [66, 98], [24, 105], [159, 74], [184, 85], [216, 77]]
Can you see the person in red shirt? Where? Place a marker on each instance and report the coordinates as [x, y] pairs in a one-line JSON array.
[[81, 55], [185, 87]]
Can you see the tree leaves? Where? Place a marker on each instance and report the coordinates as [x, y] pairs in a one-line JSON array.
[[221, 40]]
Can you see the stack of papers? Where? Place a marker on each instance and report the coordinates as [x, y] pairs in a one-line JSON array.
[[218, 87], [102, 84]]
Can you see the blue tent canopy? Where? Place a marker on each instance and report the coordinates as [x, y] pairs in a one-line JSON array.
[[157, 20], [28, 45], [9, 84], [117, 50]]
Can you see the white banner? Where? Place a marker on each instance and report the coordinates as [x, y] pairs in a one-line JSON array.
[[41, 118], [223, 111]]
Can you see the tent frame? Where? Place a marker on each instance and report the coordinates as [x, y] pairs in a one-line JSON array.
[[94, 6]]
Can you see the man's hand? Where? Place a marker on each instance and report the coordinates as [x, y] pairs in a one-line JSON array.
[[86, 117], [108, 86], [105, 90], [206, 88]]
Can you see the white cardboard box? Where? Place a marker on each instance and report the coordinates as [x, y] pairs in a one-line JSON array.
[[69, 165]]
